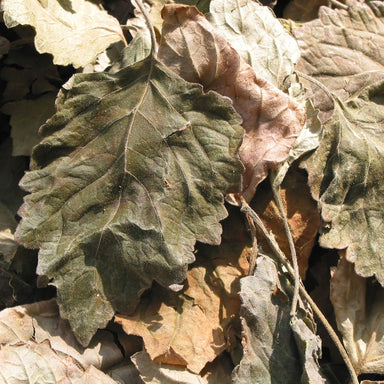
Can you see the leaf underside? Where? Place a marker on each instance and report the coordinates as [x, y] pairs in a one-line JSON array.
[[131, 172]]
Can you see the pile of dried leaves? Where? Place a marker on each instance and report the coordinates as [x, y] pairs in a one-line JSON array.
[[186, 170]]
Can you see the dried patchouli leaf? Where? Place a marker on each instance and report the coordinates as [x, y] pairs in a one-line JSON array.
[[74, 32], [26, 118], [37, 346], [359, 307], [271, 119], [345, 175], [8, 225], [302, 214], [131, 173], [270, 351], [191, 327], [152, 373], [341, 49], [258, 36]]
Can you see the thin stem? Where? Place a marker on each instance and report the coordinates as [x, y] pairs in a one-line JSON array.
[[253, 255], [280, 255], [279, 202], [149, 25]]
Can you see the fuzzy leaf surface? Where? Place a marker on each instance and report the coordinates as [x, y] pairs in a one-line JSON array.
[[65, 29], [258, 36], [345, 176], [341, 49], [192, 48], [131, 172]]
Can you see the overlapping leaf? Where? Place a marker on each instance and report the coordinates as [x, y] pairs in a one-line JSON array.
[[65, 29], [131, 172], [36, 346], [270, 352], [358, 308], [192, 48], [345, 175], [342, 50], [258, 36]]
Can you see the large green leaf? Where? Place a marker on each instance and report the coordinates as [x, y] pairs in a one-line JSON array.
[[132, 171], [346, 177]]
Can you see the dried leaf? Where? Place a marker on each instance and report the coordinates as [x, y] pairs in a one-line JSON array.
[[38, 346], [359, 306], [271, 119], [258, 36], [270, 352], [8, 225], [302, 214], [340, 49], [345, 176], [27, 116], [192, 327], [65, 29], [131, 172]]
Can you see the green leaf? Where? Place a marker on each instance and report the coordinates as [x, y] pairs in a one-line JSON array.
[[345, 176], [258, 36], [341, 50], [131, 173], [65, 29]]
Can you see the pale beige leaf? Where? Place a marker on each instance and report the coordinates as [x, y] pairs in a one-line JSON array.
[[192, 48], [359, 308], [258, 36], [38, 326], [74, 32]]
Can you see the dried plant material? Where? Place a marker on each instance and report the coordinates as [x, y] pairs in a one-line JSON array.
[[27, 116], [258, 37], [271, 119], [123, 184], [270, 351], [65, 29], [340, 49], [193, 326], [302, 213], [37, 346], [345, 175], [359, 306], [8, 225]]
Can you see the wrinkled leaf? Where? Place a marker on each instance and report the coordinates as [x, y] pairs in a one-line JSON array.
[[359, 306], [37, 346], [192, 327], [131, 172], [341, 50], [270, 352], [258, 36], [345, 176], [27, 116], [302, 214], [271, 119], [152, 373], [65, 29]]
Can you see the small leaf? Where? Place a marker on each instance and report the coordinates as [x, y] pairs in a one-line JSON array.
[[345, 175], [39, 347], [131, 173], [258, 36], [64, 29], [358, 306], [271, 119]]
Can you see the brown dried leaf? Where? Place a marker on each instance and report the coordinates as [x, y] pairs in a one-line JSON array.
[[192, 48], [302, 213], [359, 308], [192, 327]]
